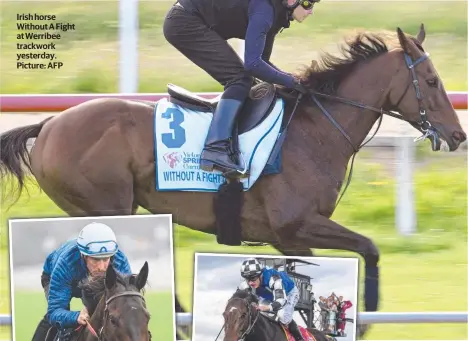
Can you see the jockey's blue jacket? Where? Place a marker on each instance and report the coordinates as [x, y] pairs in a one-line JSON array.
[[65, 265], [265, 289]]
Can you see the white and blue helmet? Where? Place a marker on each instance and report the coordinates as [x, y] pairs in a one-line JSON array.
[[97, 240]]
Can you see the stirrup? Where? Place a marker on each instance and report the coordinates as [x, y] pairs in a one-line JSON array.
[[234, 173], [209, 166]]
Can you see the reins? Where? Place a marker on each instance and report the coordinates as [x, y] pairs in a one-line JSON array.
[[423, 124], [99, 335]]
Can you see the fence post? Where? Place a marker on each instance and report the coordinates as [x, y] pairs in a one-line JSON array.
[[128, 39], [405, 207]]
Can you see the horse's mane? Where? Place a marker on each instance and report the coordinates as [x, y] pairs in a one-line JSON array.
[[251, 298], [326, 74], [96, 286], [245, 294]]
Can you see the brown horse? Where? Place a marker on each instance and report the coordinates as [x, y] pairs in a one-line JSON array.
[[98, 157], [111, 318], [243, 321]]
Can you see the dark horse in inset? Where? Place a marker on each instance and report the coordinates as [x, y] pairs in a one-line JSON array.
[[243, 321], [98, 158], [120, 312]]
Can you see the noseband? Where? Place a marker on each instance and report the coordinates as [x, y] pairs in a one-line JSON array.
[[99, 335]]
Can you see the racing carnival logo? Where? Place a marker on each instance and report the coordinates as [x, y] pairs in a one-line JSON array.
[[172, 159]]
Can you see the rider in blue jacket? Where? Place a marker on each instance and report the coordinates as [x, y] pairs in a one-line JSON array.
[[199, 29], [91, 253], [277, 288]]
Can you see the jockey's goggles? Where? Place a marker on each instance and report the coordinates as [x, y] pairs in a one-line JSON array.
[[252, 278], [102, 249]]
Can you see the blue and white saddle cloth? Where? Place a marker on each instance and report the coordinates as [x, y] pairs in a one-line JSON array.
[[179, 138]]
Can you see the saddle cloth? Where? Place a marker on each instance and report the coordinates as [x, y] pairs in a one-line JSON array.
[[306, 335], [179, 137]]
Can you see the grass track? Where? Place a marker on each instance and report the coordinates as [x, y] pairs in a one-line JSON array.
[[423, 273]]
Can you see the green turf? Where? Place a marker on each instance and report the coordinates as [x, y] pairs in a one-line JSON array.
[[90, 53], [426, 272], [422, 273], [31, 306]]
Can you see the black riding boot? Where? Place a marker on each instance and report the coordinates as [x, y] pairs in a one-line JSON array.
[[294, 329], [41, 330], [220, 144]]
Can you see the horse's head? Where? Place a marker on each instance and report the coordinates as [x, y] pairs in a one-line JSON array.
[[240, 315], [121, 313], [418, 93]]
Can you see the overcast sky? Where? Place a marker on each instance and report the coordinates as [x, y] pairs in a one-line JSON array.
[[218, 275]]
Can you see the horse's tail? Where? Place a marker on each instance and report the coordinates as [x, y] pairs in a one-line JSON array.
[[14, 153]]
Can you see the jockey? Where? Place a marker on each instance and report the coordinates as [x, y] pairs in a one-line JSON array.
[[276, 287], [199, 29], [73, 262]]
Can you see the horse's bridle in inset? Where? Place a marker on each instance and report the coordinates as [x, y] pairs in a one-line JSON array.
[[250, 313], [99, 335], [423, 124]]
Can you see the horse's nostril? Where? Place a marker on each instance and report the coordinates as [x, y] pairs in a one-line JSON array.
[[459, 136]]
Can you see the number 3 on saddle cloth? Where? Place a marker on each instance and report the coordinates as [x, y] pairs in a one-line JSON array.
[[181, 125]]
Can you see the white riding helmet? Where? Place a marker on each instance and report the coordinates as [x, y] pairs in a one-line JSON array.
[[97, 240]]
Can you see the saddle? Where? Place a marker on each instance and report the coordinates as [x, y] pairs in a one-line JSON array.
[[261, 100]]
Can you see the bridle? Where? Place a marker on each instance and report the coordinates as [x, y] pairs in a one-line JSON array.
[[251, 318], [100, 335], [422, 124]]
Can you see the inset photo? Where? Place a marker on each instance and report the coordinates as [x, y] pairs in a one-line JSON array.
[[92, 278], [277, 298]]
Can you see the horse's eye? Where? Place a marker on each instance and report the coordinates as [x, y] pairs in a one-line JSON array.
[[432, 82], [113, 320]]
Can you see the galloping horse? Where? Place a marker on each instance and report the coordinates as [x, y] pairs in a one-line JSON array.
[[121, 312], [242, 321], [99, 157]]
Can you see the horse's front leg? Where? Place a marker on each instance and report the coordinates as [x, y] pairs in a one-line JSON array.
[[319, 232]]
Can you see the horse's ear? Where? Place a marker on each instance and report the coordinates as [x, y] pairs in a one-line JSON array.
[[403, 40], [406, 44], [140, 280], [421, 34], [111, 277]]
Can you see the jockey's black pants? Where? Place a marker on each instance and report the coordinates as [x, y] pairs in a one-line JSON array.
[[44, 326], [188, 33]]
